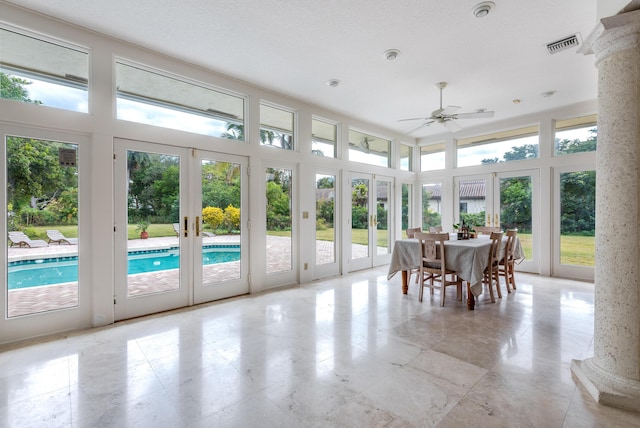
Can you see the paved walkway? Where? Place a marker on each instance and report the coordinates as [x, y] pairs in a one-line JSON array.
[[61, 296]]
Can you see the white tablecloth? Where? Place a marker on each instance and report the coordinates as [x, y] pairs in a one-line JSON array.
[[468, 258]]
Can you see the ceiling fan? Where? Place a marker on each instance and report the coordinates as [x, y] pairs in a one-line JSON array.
[[448, 115]]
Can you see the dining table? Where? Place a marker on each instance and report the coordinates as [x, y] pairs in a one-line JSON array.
[[467, 257]]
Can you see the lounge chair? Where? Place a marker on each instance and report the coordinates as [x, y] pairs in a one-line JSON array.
[[176, 228], [22, 240], [56, 237]]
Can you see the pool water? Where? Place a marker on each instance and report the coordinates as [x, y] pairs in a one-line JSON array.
[[32, 273]]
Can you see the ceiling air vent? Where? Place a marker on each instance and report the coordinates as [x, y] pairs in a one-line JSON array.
[[564, 44]]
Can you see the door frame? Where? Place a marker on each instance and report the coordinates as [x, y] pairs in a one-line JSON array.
[[230, 288], [126, 306], [373, 259], [79, 316]]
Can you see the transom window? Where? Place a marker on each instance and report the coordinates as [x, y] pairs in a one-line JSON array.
[[406, 157], [324, 140], [38, 70], [276, 127], [156, 98], [432, 157], [506, 146], [576, 135], [369, 149]]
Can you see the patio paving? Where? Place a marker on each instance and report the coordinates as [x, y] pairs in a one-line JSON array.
[[60, 296]]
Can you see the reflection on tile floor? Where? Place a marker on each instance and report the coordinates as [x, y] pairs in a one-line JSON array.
[[345, 352]]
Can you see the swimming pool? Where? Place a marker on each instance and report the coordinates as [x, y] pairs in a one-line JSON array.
[[32, 273]]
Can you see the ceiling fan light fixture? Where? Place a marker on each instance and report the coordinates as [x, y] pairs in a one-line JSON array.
[[481, 10], [391, 54]]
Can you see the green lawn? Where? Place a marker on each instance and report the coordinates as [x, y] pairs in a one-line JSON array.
[[575, 250]]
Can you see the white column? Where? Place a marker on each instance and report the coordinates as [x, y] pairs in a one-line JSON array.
[[612, 375]]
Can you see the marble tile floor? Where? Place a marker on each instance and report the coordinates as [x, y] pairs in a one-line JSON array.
[[345, 352]]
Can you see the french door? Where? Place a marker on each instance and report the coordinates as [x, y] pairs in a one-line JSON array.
[[574, 222], [179, 235], [506, 200], [371, 240]]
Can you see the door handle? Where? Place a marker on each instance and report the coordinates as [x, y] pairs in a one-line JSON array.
[[488, 219], [186, 226], [496, 220], [197, 226]]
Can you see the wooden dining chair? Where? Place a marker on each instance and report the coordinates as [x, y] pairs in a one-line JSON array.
[[491, 272], [486, 230], [507, 262], [433, 265], [411, 234]]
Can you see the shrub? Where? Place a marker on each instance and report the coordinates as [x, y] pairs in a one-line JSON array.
[[213, 216]]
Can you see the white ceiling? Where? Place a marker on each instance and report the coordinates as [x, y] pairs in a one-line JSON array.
[[295, 46]]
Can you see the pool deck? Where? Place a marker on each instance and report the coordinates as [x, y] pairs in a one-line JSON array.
[[46, 298]]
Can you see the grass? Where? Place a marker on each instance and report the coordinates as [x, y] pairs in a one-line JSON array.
[[574, 250]]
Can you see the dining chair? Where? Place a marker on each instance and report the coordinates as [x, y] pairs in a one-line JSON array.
[[507, 262], [435, 229], [433, 265], [491, 272], [486, 230], [411, 234]]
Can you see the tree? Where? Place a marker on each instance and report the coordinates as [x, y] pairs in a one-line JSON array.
[[232, 218], [13, 88], [235, 131]]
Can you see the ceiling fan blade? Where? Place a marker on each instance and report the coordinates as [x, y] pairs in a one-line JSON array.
[[449, 110], [476, 115], [452, 126], [421, 126], [414, 118]]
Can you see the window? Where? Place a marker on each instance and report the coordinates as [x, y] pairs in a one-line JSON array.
[[324, 138], [406, 157], [42, 206], [154, 98], [431, 205], [578, 218], [276, 127], [369, 149], [432, 157], [46, 72], [504, 146], [325, 219], [576, 135], [407, 208]]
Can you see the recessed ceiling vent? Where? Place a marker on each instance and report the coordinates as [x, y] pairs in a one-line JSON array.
[[564, 44]]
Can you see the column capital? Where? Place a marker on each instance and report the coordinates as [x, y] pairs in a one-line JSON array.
[[613, 34]]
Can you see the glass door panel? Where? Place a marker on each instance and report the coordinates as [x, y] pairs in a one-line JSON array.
[[474, 196], [153, 230], [325, 219], [221, 267], [42, 224], [279, 251], [574, 217], [381, 218], [516, 205], [361, 220]]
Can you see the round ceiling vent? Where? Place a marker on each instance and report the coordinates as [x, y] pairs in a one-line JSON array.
[[483, 9]]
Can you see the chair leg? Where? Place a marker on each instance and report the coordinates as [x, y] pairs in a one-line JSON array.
[[512, 274], [490, 283], [497, 278], [421, 292]]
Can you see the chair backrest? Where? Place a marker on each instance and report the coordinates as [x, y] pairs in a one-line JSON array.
[[494, 253], [435, 229], [485, 230], [511, 241], [17, 236], [432, 249], [412, 231], [55, 235]]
